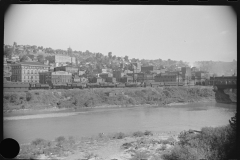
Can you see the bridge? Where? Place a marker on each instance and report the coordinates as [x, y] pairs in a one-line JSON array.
[[228, 82], [225, 89]]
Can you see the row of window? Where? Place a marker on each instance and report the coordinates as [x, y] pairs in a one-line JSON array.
[[27, 72], [29, 67]]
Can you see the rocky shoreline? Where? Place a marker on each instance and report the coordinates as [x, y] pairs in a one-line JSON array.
[[118, 146]]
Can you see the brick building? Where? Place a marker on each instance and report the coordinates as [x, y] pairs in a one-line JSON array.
[[125, 79], [168, 78], [71, 69], [27, 71], [186, 74], [145, 77], [148, 68], [58, 77], [118, 75], [111, 79]]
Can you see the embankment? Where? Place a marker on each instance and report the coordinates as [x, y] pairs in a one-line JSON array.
[[77, 98], [226, 95]]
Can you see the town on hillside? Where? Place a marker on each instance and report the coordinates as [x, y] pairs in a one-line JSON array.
[[35, 64]]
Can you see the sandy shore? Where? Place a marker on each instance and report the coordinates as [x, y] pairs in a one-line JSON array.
[[39, 116]]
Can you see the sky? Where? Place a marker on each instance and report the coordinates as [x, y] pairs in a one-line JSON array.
[[187, 33]]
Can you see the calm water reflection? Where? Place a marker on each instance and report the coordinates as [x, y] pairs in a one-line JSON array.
[[94, 121]]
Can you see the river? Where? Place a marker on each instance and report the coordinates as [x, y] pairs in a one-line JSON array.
[[106, 120]]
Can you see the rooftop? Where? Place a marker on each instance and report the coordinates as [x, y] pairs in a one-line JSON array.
[[31, 63]]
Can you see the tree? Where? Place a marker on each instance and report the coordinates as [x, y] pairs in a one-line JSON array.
[[30, 56], [8, 52], [24, 58], [50, 59], [110, 55], [126, 58], [40, 58], [119, 58]]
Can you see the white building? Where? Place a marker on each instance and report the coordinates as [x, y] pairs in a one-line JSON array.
[[64, 59]]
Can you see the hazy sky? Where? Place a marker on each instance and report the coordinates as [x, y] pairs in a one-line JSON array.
[[188, 33]]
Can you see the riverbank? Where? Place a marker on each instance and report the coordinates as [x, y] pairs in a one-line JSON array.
[[53, 100], [120, 146], [56, 112], [208, 143]]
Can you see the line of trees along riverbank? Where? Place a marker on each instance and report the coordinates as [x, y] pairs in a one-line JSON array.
[[76, 98]]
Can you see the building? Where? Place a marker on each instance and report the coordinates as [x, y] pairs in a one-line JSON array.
[[145, 77], [58, 77], [80, 73], [201, 76], [106, 70], [105, 75], [111, 79], [83, 79], [64, 59], [7, 76], [73, 70], [96, 80], [118, 75], [194, 69], [27, 71], [168, 78], [125, 79], [76, 79], [136, 67], [148, 68], [186, 74]]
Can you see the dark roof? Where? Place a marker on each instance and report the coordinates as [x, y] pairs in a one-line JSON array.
[[32, 63]]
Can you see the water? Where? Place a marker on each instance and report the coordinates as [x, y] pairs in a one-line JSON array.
[[94, 121]]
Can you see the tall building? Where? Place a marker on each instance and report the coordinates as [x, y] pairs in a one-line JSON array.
[[27, 71], [58, 77]]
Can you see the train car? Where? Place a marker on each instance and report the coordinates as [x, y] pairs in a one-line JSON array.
[[157, 84], [15, 87], [107, 85], [70, 86], [92, 85], [132, 85], [120, 85], [59, 86], [45, 86], [173, 83]]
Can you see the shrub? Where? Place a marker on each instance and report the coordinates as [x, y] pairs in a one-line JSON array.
[[13, 98], [138, 134], [162, 148], [39, 142], [140, 156], [126, 145], [148, 133], [28, 96], [181, 153], [60, 139], [212, 143], [119, 135]]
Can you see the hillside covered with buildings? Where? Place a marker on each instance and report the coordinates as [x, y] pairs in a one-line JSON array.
[[35, 64]]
